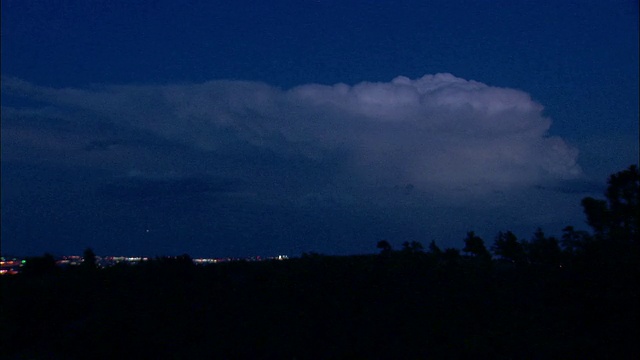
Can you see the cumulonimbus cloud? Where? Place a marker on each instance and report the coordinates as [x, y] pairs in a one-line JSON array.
[[435, 132]]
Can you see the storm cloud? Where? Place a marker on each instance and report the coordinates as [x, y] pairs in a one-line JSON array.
[[436, 132], [310, 167]]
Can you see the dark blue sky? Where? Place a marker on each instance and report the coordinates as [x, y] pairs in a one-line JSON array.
[[117, 132]]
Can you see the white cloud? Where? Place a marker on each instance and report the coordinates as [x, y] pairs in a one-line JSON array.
[[441, 130], [436, 132]]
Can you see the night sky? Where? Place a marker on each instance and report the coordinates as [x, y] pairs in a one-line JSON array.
[[281, 127]]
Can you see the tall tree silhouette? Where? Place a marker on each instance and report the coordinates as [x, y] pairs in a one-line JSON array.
[[616, 217]]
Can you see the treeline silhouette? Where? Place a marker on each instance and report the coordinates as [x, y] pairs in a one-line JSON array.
[[538, 298]]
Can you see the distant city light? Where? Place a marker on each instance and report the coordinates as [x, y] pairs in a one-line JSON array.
[[14, 266]]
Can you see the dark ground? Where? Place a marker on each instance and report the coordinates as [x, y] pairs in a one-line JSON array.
[[388, 306]]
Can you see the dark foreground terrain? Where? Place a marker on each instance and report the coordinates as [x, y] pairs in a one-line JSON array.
[[577, 297], [392, 305]]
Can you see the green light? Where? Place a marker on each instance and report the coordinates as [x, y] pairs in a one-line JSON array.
[[24, 261]]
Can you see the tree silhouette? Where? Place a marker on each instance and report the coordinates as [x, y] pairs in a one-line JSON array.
[[89, 260], [474, 245], [413, 247], [574, 241], [40, 265], [543, 249], [597, 215], [623, 194], [434, 249], [507, 247], [384, 246], [616, 217]]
